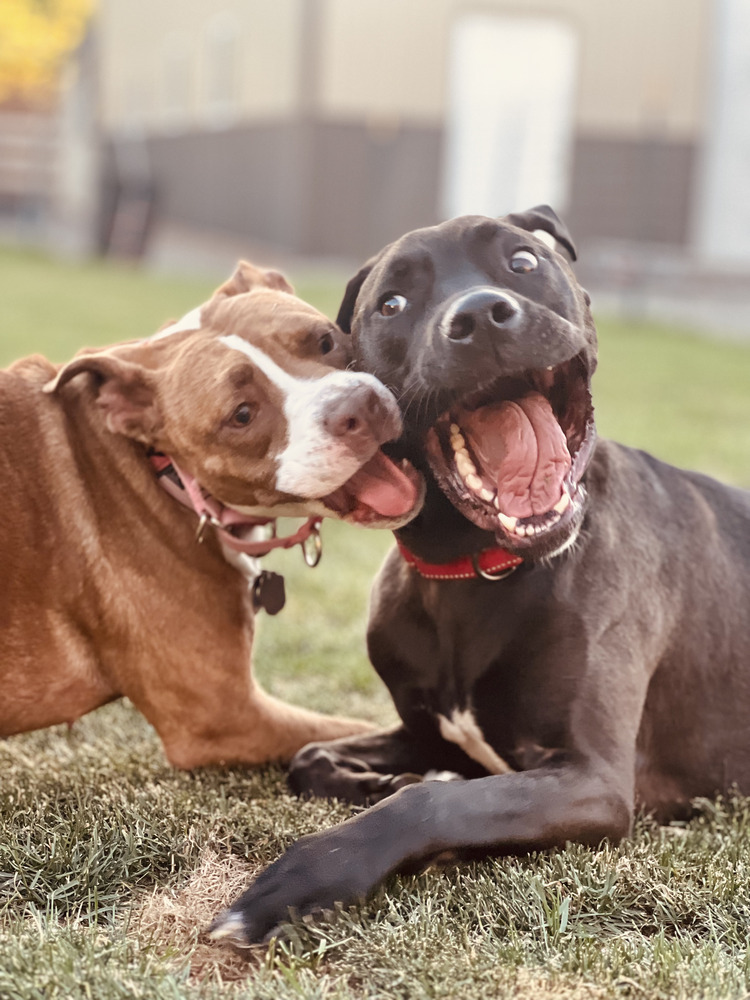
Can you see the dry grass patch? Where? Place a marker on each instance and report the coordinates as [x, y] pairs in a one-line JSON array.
[[172, 921]]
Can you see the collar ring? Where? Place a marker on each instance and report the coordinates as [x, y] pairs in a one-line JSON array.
[[489, 575]]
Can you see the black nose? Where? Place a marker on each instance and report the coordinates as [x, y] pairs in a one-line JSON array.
[[481, 309]]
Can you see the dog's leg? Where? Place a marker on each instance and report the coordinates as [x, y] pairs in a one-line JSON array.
[[503, 813], [365, 769], [583, 793], [250, 727], [212, 711]]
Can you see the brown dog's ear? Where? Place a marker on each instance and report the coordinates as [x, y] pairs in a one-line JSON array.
[[346, 309], [247, 276], [544, 218], [124, 391]]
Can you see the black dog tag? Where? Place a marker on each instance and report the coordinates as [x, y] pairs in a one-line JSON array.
[[268, 592]]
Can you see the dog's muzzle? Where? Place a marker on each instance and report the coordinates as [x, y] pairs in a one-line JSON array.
[[481, 309]]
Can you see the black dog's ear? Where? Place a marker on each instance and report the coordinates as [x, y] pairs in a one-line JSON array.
[[346, 309], [542, 217]]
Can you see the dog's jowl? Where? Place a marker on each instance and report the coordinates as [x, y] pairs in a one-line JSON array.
[[564, 627], [240, 410]]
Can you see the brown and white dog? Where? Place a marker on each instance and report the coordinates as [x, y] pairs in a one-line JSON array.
[[105, 592]]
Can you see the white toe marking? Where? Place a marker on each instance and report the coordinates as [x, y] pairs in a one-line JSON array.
[[462, 728], [232, 925]]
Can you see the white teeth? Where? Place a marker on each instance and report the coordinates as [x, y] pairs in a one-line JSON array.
[[509, 523], [466, 468], [468, 472], [465, 465], [563, 503], [458, 442], [512, 526]]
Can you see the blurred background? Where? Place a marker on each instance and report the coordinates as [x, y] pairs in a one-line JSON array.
[[181, 132]]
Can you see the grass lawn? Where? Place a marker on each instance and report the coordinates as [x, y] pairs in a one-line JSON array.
[[110, 862]]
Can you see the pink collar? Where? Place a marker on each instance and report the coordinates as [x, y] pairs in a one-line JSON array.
[[185, 488], [489, 564]]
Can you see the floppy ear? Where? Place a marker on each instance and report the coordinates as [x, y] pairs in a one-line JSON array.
[[247, 276], [346, 309], [542, 217], [124, 390]]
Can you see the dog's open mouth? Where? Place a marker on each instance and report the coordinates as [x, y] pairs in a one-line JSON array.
[[382, 493], [511, 454]]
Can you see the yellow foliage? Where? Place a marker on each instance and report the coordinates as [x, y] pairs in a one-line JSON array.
[[35, 38]]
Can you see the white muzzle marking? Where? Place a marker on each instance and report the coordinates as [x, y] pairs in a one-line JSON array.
[[314, 462]]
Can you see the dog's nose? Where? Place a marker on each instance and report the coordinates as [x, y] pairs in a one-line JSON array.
[[480, 309], [357, 411]]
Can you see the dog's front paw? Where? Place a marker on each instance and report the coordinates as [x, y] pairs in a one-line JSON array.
[[311, 877], [320, 770]]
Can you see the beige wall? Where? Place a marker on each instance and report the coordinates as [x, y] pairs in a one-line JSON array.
[[642, 62], [168, 63]]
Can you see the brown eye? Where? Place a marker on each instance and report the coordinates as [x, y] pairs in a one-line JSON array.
[[393, 305], [523, 261], [242, 415], [326, 344]]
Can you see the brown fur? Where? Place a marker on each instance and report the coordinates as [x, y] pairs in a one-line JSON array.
[[105, 592]]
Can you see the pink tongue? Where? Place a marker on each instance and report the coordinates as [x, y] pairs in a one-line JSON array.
[[382, 486], [522, 448]]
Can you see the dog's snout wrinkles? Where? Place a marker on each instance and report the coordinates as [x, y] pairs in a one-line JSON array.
[[480, 310]]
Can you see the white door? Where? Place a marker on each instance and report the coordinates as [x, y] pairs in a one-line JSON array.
[[511, 91], [722, 230]]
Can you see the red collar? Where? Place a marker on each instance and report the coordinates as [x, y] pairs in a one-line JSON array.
[[489, 564], [185, 488]]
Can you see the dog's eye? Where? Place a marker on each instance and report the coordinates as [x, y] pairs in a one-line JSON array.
[[523, 261], [326, 344], [393, 305], [242, 415]]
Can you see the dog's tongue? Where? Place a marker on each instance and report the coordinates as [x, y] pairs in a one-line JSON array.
[[383, 487], [522, 448]]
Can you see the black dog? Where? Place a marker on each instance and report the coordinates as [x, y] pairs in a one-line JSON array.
[[598, 660]]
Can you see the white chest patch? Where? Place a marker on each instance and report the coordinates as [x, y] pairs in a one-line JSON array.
[[247, 565], [462, 728]]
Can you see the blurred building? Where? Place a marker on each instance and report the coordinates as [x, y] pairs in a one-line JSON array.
[[331, 126], [29, 148]]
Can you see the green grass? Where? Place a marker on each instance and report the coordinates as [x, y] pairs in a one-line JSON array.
[[94, 826]]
